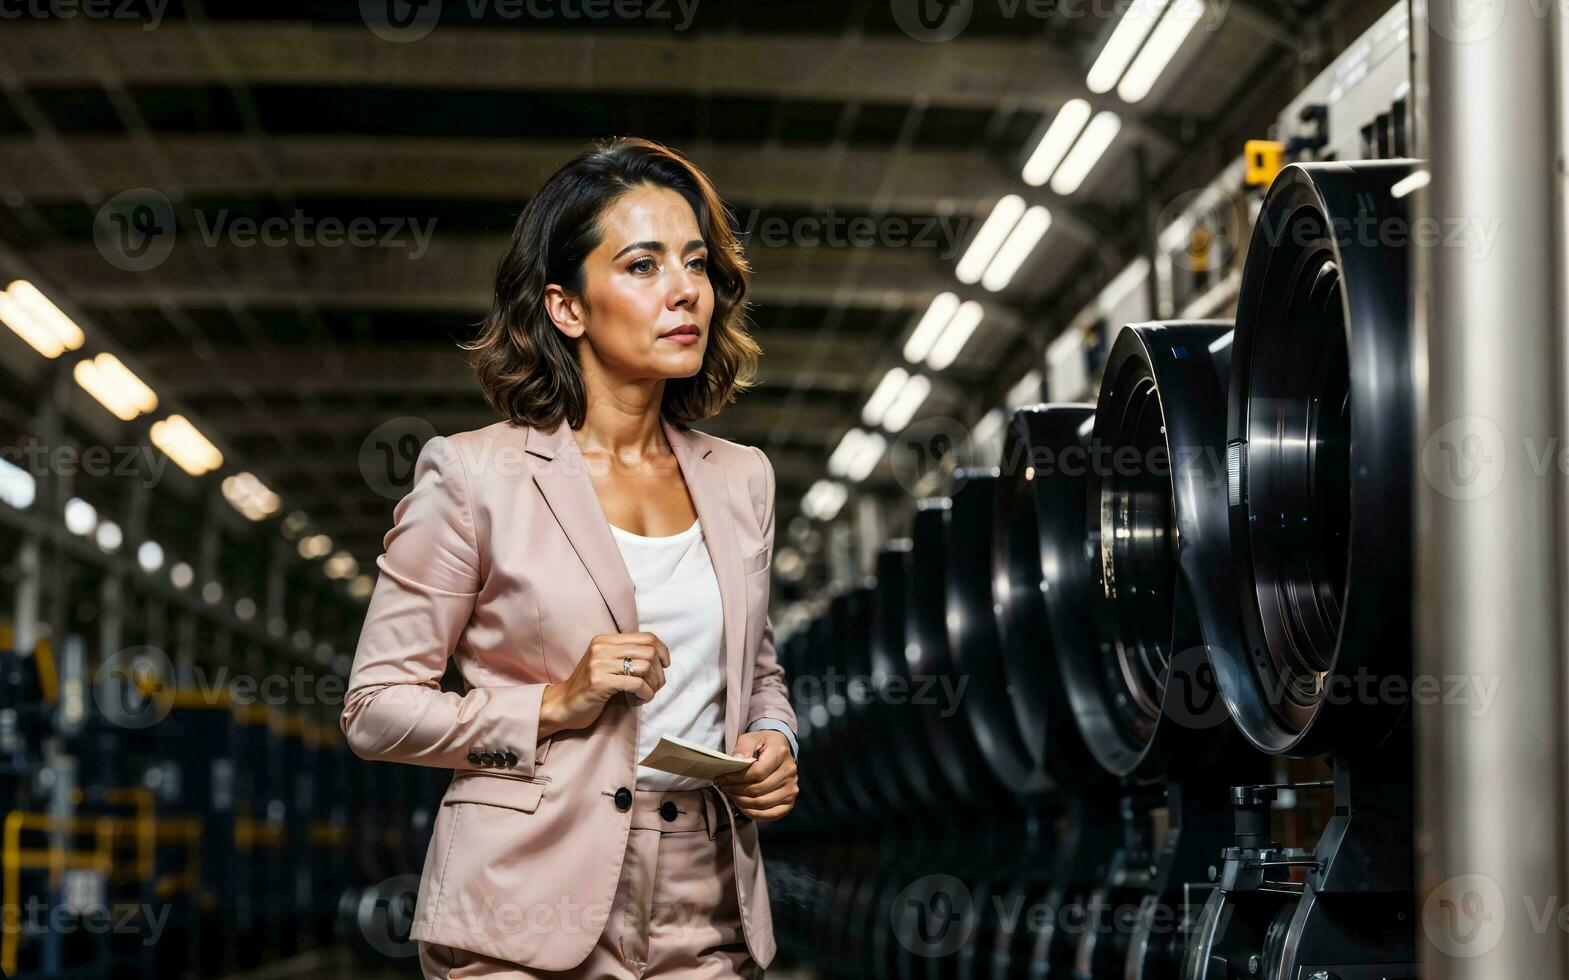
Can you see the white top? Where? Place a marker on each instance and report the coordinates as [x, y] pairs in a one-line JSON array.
[[678, 601]]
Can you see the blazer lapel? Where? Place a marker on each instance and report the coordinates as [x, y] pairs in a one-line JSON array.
[[569, 491], [567, 488], [709, 486]]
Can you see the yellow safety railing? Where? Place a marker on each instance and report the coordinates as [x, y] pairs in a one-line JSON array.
[[55, 858], [145, 828]]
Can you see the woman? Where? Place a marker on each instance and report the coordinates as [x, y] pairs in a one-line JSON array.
[[599, 572]]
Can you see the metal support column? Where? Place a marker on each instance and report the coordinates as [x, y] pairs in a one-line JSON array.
[[1490, 555]]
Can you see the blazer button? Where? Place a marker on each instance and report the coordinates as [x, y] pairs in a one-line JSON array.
[[623, 799], [488, 758], [667, 810], [512, 758], [474, 758]]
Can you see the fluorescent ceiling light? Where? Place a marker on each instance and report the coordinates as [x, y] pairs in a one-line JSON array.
[[1054, 144], [1021, 242], [1173, 29], [1086, 152], [314, 546], [829, 508], [883, 395], [32, 317], [23, 325], [809, 500], [250, 496], [109, 536], [867, 452], [1124, 42], [114, 386], [341, 565], [908, 402], [132, 388], [80, 517], [181, 442], [937, 315], [824, 499], [839, 460], [17, 486], [954, 338], [993, 231], [149, 555]]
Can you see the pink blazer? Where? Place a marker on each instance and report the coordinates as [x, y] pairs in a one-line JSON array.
[[501, 558]]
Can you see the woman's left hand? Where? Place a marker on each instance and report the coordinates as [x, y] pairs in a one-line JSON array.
[[765, 790]]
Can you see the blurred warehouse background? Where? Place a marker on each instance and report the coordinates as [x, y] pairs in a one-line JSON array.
[[241, 241]]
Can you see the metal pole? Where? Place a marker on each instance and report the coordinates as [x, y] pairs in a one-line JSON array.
[[870, 531], [1490, 557], [1149, 218]]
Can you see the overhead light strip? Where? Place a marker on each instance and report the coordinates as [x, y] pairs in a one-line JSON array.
[[1054, 144], [1004, 215], [1163, 45], [1137, 22], [1086, 152]]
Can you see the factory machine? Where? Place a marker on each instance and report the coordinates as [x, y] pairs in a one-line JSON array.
[[1134, 701]]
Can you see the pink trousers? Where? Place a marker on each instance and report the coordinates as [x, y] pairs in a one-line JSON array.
[[675, 912]]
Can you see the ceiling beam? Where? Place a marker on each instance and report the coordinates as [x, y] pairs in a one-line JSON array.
[[453, 273], [919, 184], [1031, 69]]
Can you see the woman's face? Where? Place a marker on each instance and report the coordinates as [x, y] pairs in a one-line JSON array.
[[646, 285]]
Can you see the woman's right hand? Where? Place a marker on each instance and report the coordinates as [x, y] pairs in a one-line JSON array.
[[578, 701]]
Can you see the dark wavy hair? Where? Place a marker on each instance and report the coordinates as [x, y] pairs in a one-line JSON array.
[[527, 368]]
